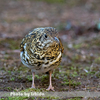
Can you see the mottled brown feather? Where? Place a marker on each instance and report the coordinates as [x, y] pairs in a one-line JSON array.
[[41, 50]]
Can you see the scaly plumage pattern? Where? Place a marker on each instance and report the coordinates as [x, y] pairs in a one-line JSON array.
[[41, 50]]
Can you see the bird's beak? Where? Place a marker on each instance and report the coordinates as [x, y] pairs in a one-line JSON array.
[[56, 39]]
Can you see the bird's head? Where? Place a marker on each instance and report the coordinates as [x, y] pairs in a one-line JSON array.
[[47, 37]]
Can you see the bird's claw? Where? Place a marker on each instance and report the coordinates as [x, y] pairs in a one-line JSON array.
[[50, 88], [33, 87]]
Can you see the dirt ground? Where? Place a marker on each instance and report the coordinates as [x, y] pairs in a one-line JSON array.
[[78, 23]]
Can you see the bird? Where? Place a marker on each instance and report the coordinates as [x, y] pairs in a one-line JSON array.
[[41, 51]]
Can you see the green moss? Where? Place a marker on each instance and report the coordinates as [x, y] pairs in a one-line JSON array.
[[37, 77], [71, 83], [97, 60], [76, 58], [12, 78], [44, 78], [23, 68], [29, 77], [32, 90], [77, 98], [81, 45], [95, 42], [77, 46], [19, 98], [74, 74], [9, 72], [4, 98], [32, 98], [9, 88], [98, 75]]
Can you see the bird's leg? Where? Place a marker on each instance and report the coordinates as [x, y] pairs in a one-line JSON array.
[[33, 75], [50, 83]]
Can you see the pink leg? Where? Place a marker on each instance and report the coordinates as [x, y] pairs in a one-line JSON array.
[[33, 75], [50, 84]]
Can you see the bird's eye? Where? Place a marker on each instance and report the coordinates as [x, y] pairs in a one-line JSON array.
[[46, 36]]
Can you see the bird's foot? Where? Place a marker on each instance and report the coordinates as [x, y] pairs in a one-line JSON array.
[[50, 88], [33, 87]]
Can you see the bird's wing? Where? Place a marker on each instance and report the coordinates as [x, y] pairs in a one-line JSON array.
[[27, 39]]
